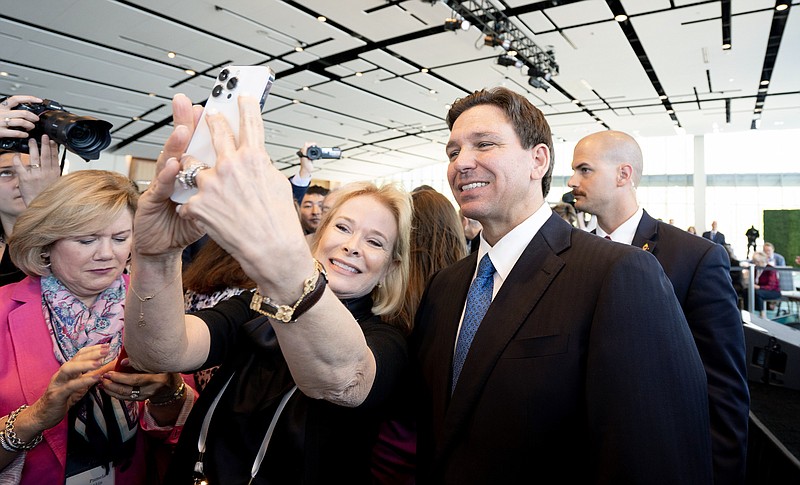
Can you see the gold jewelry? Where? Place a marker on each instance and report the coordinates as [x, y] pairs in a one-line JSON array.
[[176, 396], [141, 322], [313, 287]]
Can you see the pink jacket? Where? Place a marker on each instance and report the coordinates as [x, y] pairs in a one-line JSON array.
[[26, 365]]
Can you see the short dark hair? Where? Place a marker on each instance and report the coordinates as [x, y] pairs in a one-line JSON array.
[[527, 120], [317, 189]]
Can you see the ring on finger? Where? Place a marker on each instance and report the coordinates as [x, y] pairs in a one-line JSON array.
[[188, 177], [135, 392], [34, 165]]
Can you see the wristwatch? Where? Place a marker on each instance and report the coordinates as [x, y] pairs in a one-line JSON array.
[[313, 288]]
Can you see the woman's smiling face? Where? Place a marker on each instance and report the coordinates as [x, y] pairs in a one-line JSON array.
[[356, 246]]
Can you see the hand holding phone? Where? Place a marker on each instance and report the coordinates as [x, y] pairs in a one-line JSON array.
[[232, 82]]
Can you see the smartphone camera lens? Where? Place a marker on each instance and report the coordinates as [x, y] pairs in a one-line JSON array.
[[232, 82], [217, 90], [223, 75]]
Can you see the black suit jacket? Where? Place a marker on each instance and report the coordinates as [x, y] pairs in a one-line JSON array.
[[583, 370], [718, 238], [700, 274]]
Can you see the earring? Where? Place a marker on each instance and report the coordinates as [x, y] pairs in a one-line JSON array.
[[379, 284], [46, 259]]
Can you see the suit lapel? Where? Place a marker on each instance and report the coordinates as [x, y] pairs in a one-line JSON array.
[[525, 286], [646, 233], [30, 336]]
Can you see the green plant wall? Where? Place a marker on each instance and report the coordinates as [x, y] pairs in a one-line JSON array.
[[782, 228]]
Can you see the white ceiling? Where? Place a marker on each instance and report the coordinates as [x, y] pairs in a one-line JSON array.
[[108, 59]]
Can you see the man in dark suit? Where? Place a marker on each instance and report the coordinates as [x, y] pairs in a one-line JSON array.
[[582, 368], [713, 235], [607, 169]]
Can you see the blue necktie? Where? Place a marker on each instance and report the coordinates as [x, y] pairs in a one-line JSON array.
[[479, 298]]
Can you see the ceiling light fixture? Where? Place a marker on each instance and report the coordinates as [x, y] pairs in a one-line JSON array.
[[621, 17], [781, 7], [359, 74], [662, 97], [538, 83], [189, 72], [494, 41], [424, 69], [171, 55], [299, 48], [726, 47], [3, 73], [765, 82], [452, 24], [305, 88], [322, 19], [507, 60]]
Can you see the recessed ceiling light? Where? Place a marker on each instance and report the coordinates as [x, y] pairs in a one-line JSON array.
[[322, 19], [3, 73], [424, 69], [152, 95], [171, 55], [765, 82], [295, 101], [190, 72], [670, 111], [576, 101], [359, 74], [621, 17], [298, 48], [305, 88], [432, 91], [757, 110], [662, 97], [781, 7], [599, 122], [726, 47], [135, 118], [762, 90]]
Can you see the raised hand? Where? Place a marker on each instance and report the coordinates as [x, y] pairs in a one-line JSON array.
[[245, 204], [43, 170], [159, 229], [16, 123]]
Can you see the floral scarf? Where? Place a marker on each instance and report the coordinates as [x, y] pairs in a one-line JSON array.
[[104, 422]]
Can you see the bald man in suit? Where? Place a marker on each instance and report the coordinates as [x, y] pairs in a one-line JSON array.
[[582, 368], [607, 167]]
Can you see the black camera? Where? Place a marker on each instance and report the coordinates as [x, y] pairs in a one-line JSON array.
[[315, 153], [82, 135]]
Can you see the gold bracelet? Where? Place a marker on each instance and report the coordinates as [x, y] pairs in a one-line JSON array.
[[142, 301], [313, 287], [176, 396]]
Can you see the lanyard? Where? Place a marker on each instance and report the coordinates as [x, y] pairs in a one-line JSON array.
[[201, 441]]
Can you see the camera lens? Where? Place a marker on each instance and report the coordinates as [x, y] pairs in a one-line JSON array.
[[217, 90], [223, 75], [232, 82]]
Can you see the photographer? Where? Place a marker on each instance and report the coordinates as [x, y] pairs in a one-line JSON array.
[[22, 175]]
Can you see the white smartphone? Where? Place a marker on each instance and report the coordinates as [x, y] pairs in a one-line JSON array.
[[231, 82]]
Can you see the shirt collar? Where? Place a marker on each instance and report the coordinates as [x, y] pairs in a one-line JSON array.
[[626, 231], [505, 253]]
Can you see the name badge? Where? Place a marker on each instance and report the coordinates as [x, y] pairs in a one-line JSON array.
[[98, 475]]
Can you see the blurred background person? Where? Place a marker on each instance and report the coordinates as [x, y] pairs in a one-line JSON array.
[[311, 208], [713, 235], [691, 230], [69, 399], [566, 212], [766, 287], [472, 231], [437, 241], [773, 258]]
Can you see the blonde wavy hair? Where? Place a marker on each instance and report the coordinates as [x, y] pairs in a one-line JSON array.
[[80, 203], [387, 298]]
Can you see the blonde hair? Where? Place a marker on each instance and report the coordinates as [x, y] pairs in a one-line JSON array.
[[80, 203], [387, 298]]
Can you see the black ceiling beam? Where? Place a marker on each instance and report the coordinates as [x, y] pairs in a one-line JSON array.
[[636, 44], [773, 45], [725, 9]]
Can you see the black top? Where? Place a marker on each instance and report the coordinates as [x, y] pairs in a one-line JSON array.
[[8, 272], [314, 441]]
